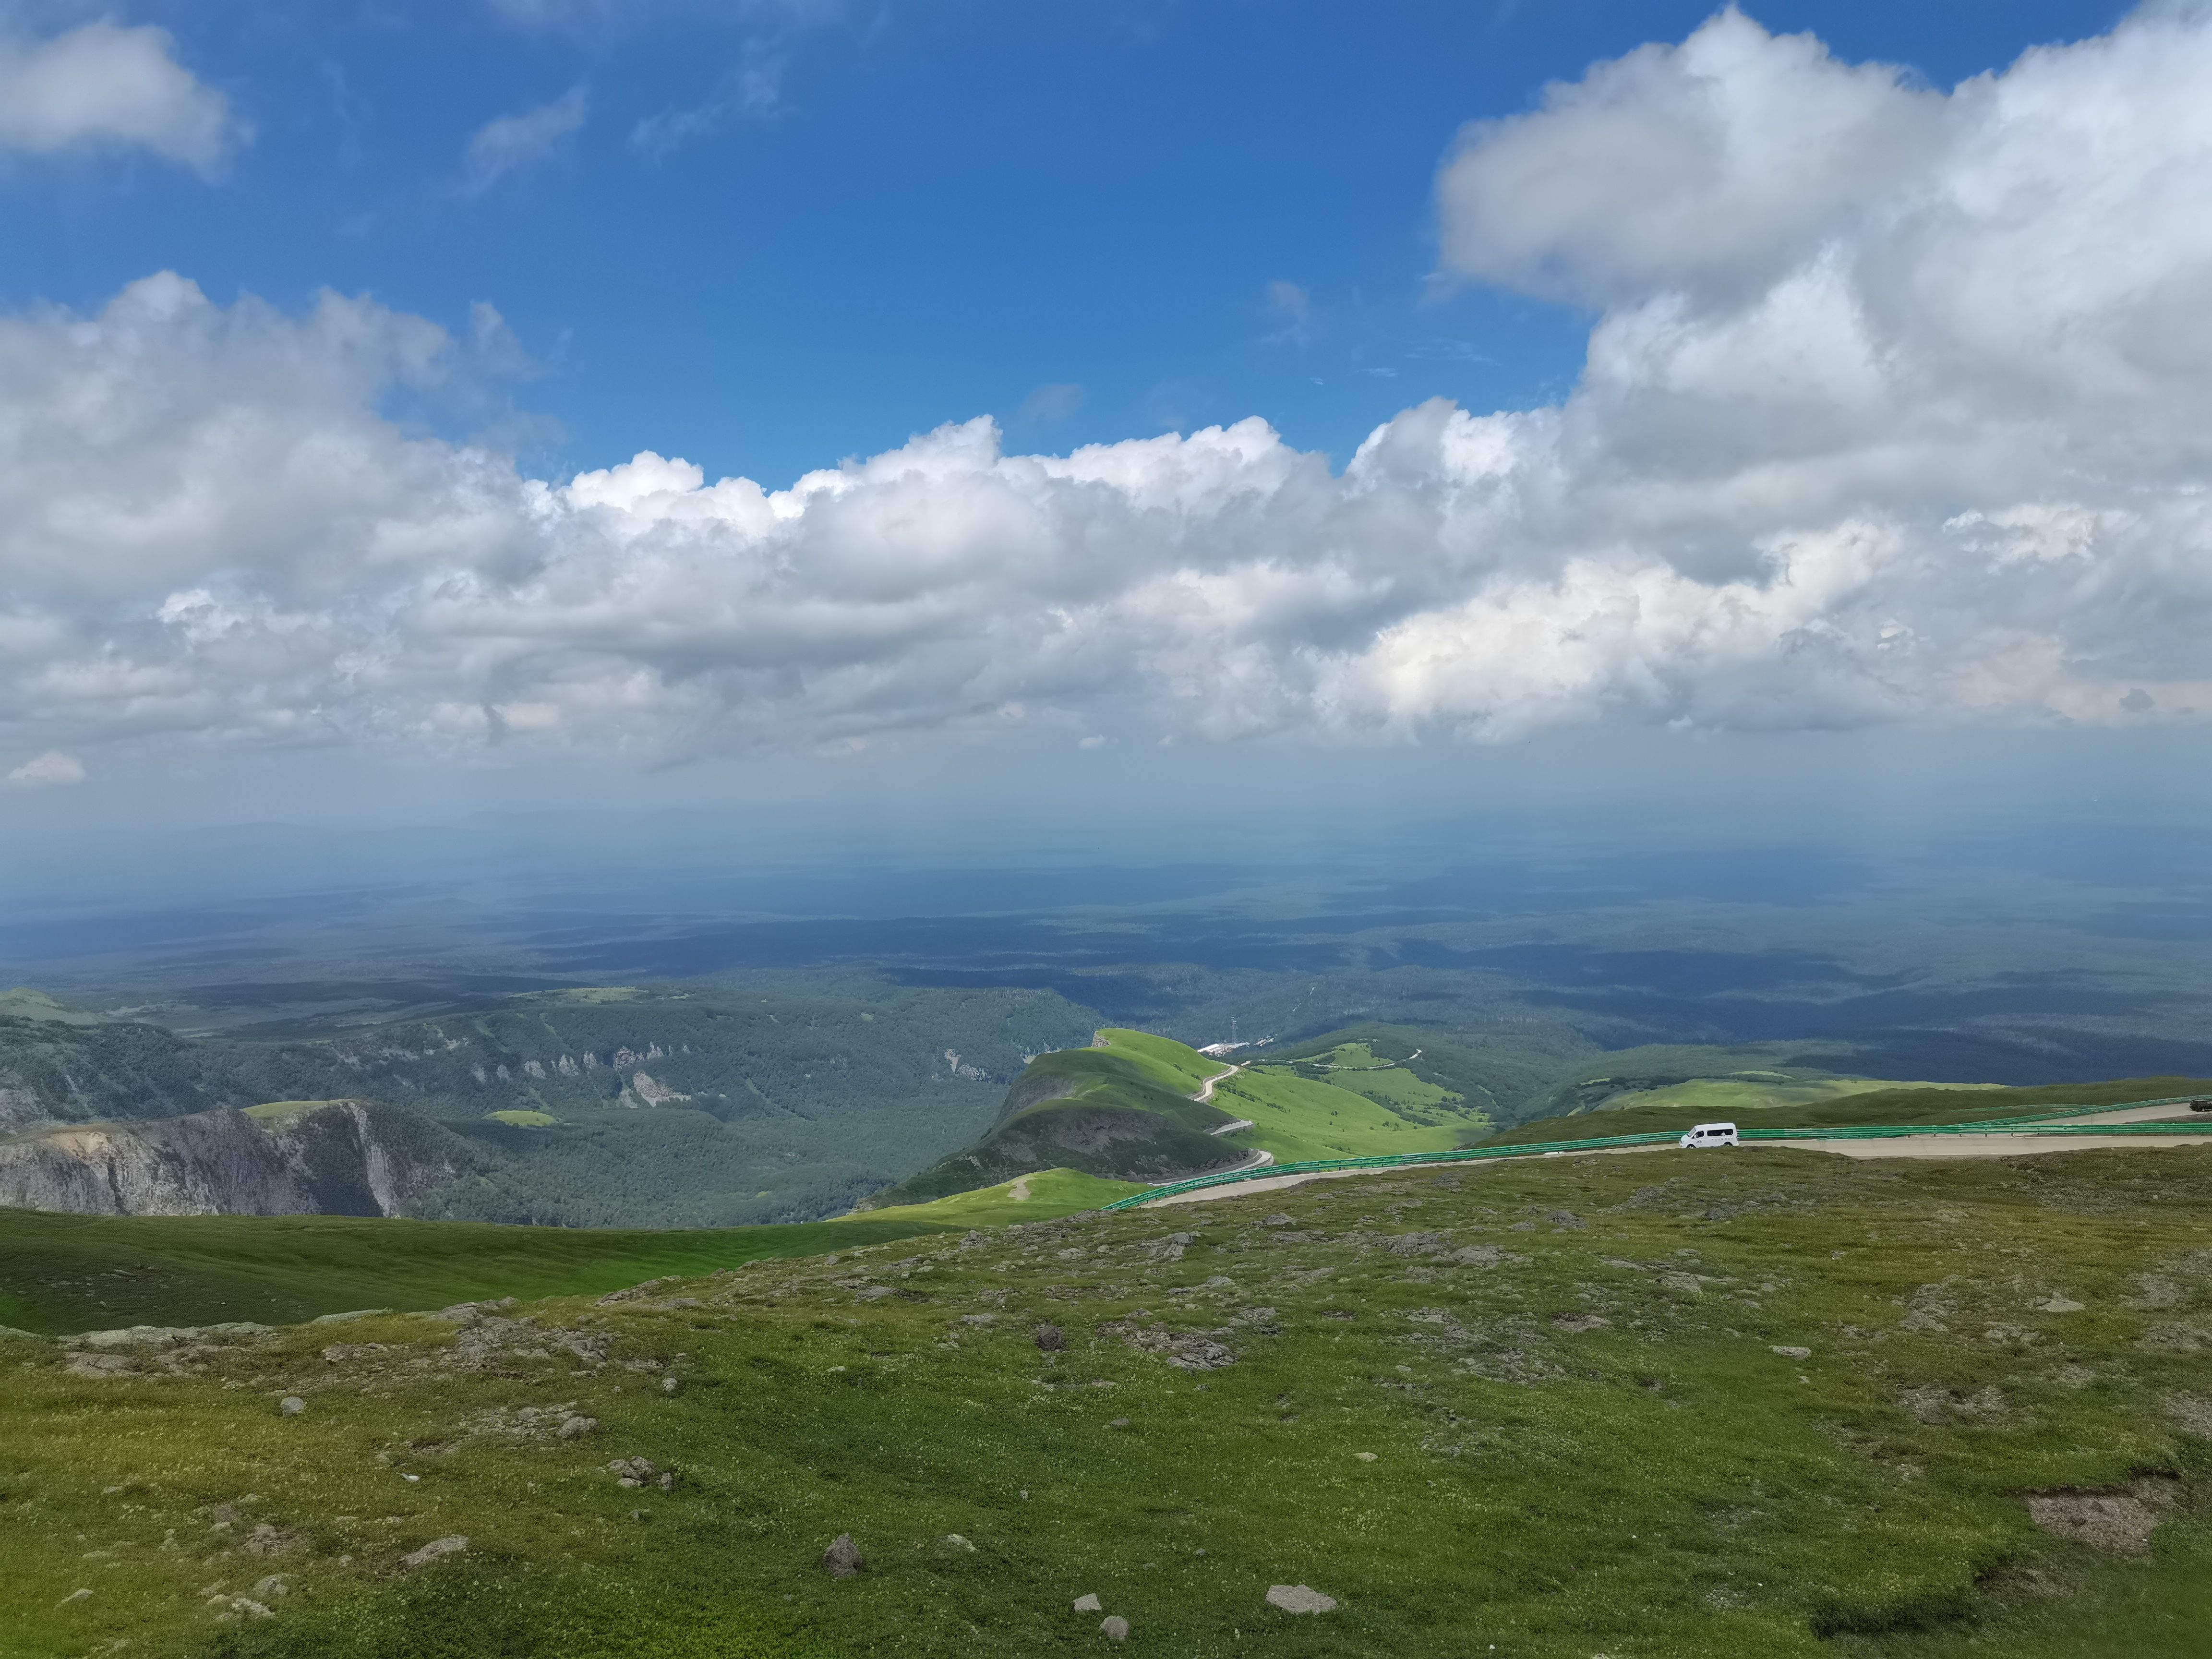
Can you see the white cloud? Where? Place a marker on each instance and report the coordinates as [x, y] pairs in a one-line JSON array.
[[1933, 448], [511, 142], [1293, 308], [1050, 404], [47, 770], [103, 86]]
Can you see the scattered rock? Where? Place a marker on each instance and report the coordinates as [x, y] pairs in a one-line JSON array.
[[267, 1540], [1277, 1221], [1087, 1603], [1365, 1457], [2191, 1413], [2119, 1521], [632, 1472], [671, 1385], [270, 1588], [1789, 1352], [1050, 1339], [575, 1428], [75, 1595], [291, 1405], [1575, 1324], [1566, 1218], [953, 1540], [1299, 1598], [1118, 1423], [342, 1318], [873, 1293], [1935, 1404], [1115, 1626], [844, 1557], [431, 1551], [2058, 1304], [462, 1313]]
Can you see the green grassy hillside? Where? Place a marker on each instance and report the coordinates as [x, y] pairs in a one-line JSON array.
[[1123, 1108], [60, 1273], [1888, 1105], [1502, 1078], [1120, 1109], [1672, 1407]]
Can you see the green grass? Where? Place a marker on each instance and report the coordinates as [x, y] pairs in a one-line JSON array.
[[1049, 1194], [525, 1120], [1909, 1104], [1300, 1117], [60, 1273], [74, 1273], [279, 1111], [1757, 1092], [1172, 1065], [1582, 1442]]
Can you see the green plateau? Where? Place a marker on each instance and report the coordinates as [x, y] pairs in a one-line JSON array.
[[1754, 1407]]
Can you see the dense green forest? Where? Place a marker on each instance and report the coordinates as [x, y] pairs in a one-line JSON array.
[[708, 1104]]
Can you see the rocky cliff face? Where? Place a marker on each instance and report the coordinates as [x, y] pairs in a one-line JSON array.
[[339, 1157]]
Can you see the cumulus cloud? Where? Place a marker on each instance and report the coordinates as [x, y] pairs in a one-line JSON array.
[[103, 86], [46, 771], [512, 141], [1920, 432]]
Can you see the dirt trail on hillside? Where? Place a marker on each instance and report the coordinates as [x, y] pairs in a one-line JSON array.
[[1205, 1094], [1930, 1146]]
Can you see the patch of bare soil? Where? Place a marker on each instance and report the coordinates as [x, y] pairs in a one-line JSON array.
[[2120, 1521]]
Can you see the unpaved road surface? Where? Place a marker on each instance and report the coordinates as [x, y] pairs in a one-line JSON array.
[[1205, 1094]]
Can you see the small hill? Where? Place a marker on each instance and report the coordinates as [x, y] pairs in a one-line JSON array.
[[1127, 1108], [1122, 1109]]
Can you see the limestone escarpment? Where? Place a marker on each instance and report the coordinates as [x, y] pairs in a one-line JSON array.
[[338, 1157]]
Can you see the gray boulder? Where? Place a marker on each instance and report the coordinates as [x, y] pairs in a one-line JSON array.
[[844, 1557]]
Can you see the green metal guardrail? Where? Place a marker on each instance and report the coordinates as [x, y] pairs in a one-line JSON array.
[[2033, 1125]]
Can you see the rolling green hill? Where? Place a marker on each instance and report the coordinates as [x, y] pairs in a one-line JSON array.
[[1120, 1109], [1672, 1406], [1125, 1108]]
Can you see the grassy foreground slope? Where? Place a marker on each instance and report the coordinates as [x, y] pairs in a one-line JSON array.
[[61, 1273], [1677, 1404]]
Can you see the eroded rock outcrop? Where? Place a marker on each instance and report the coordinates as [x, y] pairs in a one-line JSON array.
[[337, 1157]]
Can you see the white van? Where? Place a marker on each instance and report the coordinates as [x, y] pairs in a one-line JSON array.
[[1710, 1135]]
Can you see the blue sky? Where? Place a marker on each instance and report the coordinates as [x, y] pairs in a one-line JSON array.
[[856, 221], [430, 406]]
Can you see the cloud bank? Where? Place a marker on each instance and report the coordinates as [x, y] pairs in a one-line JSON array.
[[1896, 409], [106, 87]]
